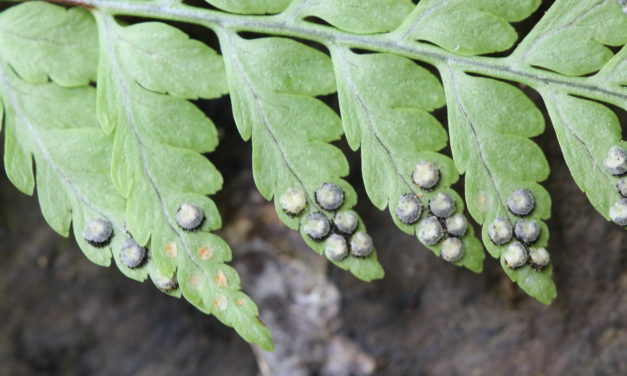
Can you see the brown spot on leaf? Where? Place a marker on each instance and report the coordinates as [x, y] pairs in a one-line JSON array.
[[171, 250], [220, 302], [205, 253], [482, 201], [195, 281], [220, 279]]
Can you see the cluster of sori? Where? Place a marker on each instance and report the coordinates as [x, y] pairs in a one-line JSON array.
[[339, 234], [616, 164], [440, 223], [99, 233], [520, 203]]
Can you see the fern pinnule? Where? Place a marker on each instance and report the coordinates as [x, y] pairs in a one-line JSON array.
[[157, 166], [385, 102], [290, 132]]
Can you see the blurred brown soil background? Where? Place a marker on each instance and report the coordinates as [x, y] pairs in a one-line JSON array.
[[62, 315]]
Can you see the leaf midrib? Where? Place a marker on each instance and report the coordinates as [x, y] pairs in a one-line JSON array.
[[569, 129], [264, 118], [371, 123], [477, 140], [106, 20]]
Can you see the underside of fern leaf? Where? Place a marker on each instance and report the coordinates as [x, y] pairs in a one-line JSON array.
[[290, 131], [127, 158]]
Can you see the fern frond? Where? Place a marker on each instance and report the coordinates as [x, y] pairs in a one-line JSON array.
[[144, 173], [272, 84], [56, 127], [586, 131], [356, 16], [467, 27], [44, 40], [251, 6], [490, 123], [385, 102], [613, 75], [157, 166], [571, 40], [574, 36]]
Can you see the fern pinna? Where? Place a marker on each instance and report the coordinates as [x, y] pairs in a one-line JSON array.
[[121, 161]]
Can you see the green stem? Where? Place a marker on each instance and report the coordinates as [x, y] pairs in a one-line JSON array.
[[282, 24]]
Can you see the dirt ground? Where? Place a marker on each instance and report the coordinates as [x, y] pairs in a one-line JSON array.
[[62, 315]]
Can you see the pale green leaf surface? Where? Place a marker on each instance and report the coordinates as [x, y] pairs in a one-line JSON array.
[[57, 127], [489, 125], [613, 76], [272, 103], [358, 16], [251, 6], [157, 166], [573, 37], [286, 67], [468, 27], [18, 164], [586, 130], [163, 59], [385, 102], [538, 284], [42, 40]]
